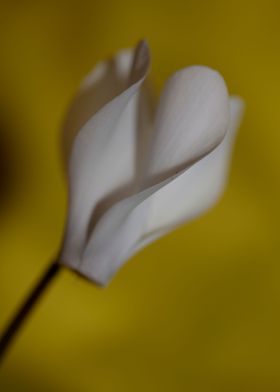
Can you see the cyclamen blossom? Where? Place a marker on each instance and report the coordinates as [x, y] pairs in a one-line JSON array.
[[136, 173]]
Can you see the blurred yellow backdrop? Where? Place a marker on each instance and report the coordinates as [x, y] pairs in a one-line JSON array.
[[199, 309]]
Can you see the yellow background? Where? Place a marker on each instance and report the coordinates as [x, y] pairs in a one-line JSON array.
[[199, 309]]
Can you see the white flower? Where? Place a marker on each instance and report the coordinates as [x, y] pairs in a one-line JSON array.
[[136, 173]]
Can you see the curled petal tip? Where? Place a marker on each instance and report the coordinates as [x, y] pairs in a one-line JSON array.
[[141, 61]]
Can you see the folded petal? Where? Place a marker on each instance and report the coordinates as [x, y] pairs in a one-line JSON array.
[[195, 190], [191, 120], [116, 233], [102, 161], [107, 80], [128, 224]]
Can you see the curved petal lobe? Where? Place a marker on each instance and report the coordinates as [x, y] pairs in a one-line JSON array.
[[195, 190], [102, 162], [107, 80], [191, 120]]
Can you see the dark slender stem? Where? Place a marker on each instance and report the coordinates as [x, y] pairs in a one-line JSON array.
[[26, 308]]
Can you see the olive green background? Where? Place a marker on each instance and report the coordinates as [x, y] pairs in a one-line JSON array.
[[199, 309]]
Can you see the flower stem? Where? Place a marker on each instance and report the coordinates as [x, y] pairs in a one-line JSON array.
[[27, 306]]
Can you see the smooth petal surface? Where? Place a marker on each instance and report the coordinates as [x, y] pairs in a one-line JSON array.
[[197, 189], [117, 232], [102, 162], [191, 120], [125, 225], [107, 80]]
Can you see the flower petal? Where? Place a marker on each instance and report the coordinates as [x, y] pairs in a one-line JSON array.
[[107, 80], [191, 120], [117, 232], [102, 162], [125, 225], [197, 189]]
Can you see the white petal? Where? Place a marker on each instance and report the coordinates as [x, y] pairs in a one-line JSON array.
[[197, 189], [125, 225], [191, 120], [117, 232], [107, 80], [102, 162]]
